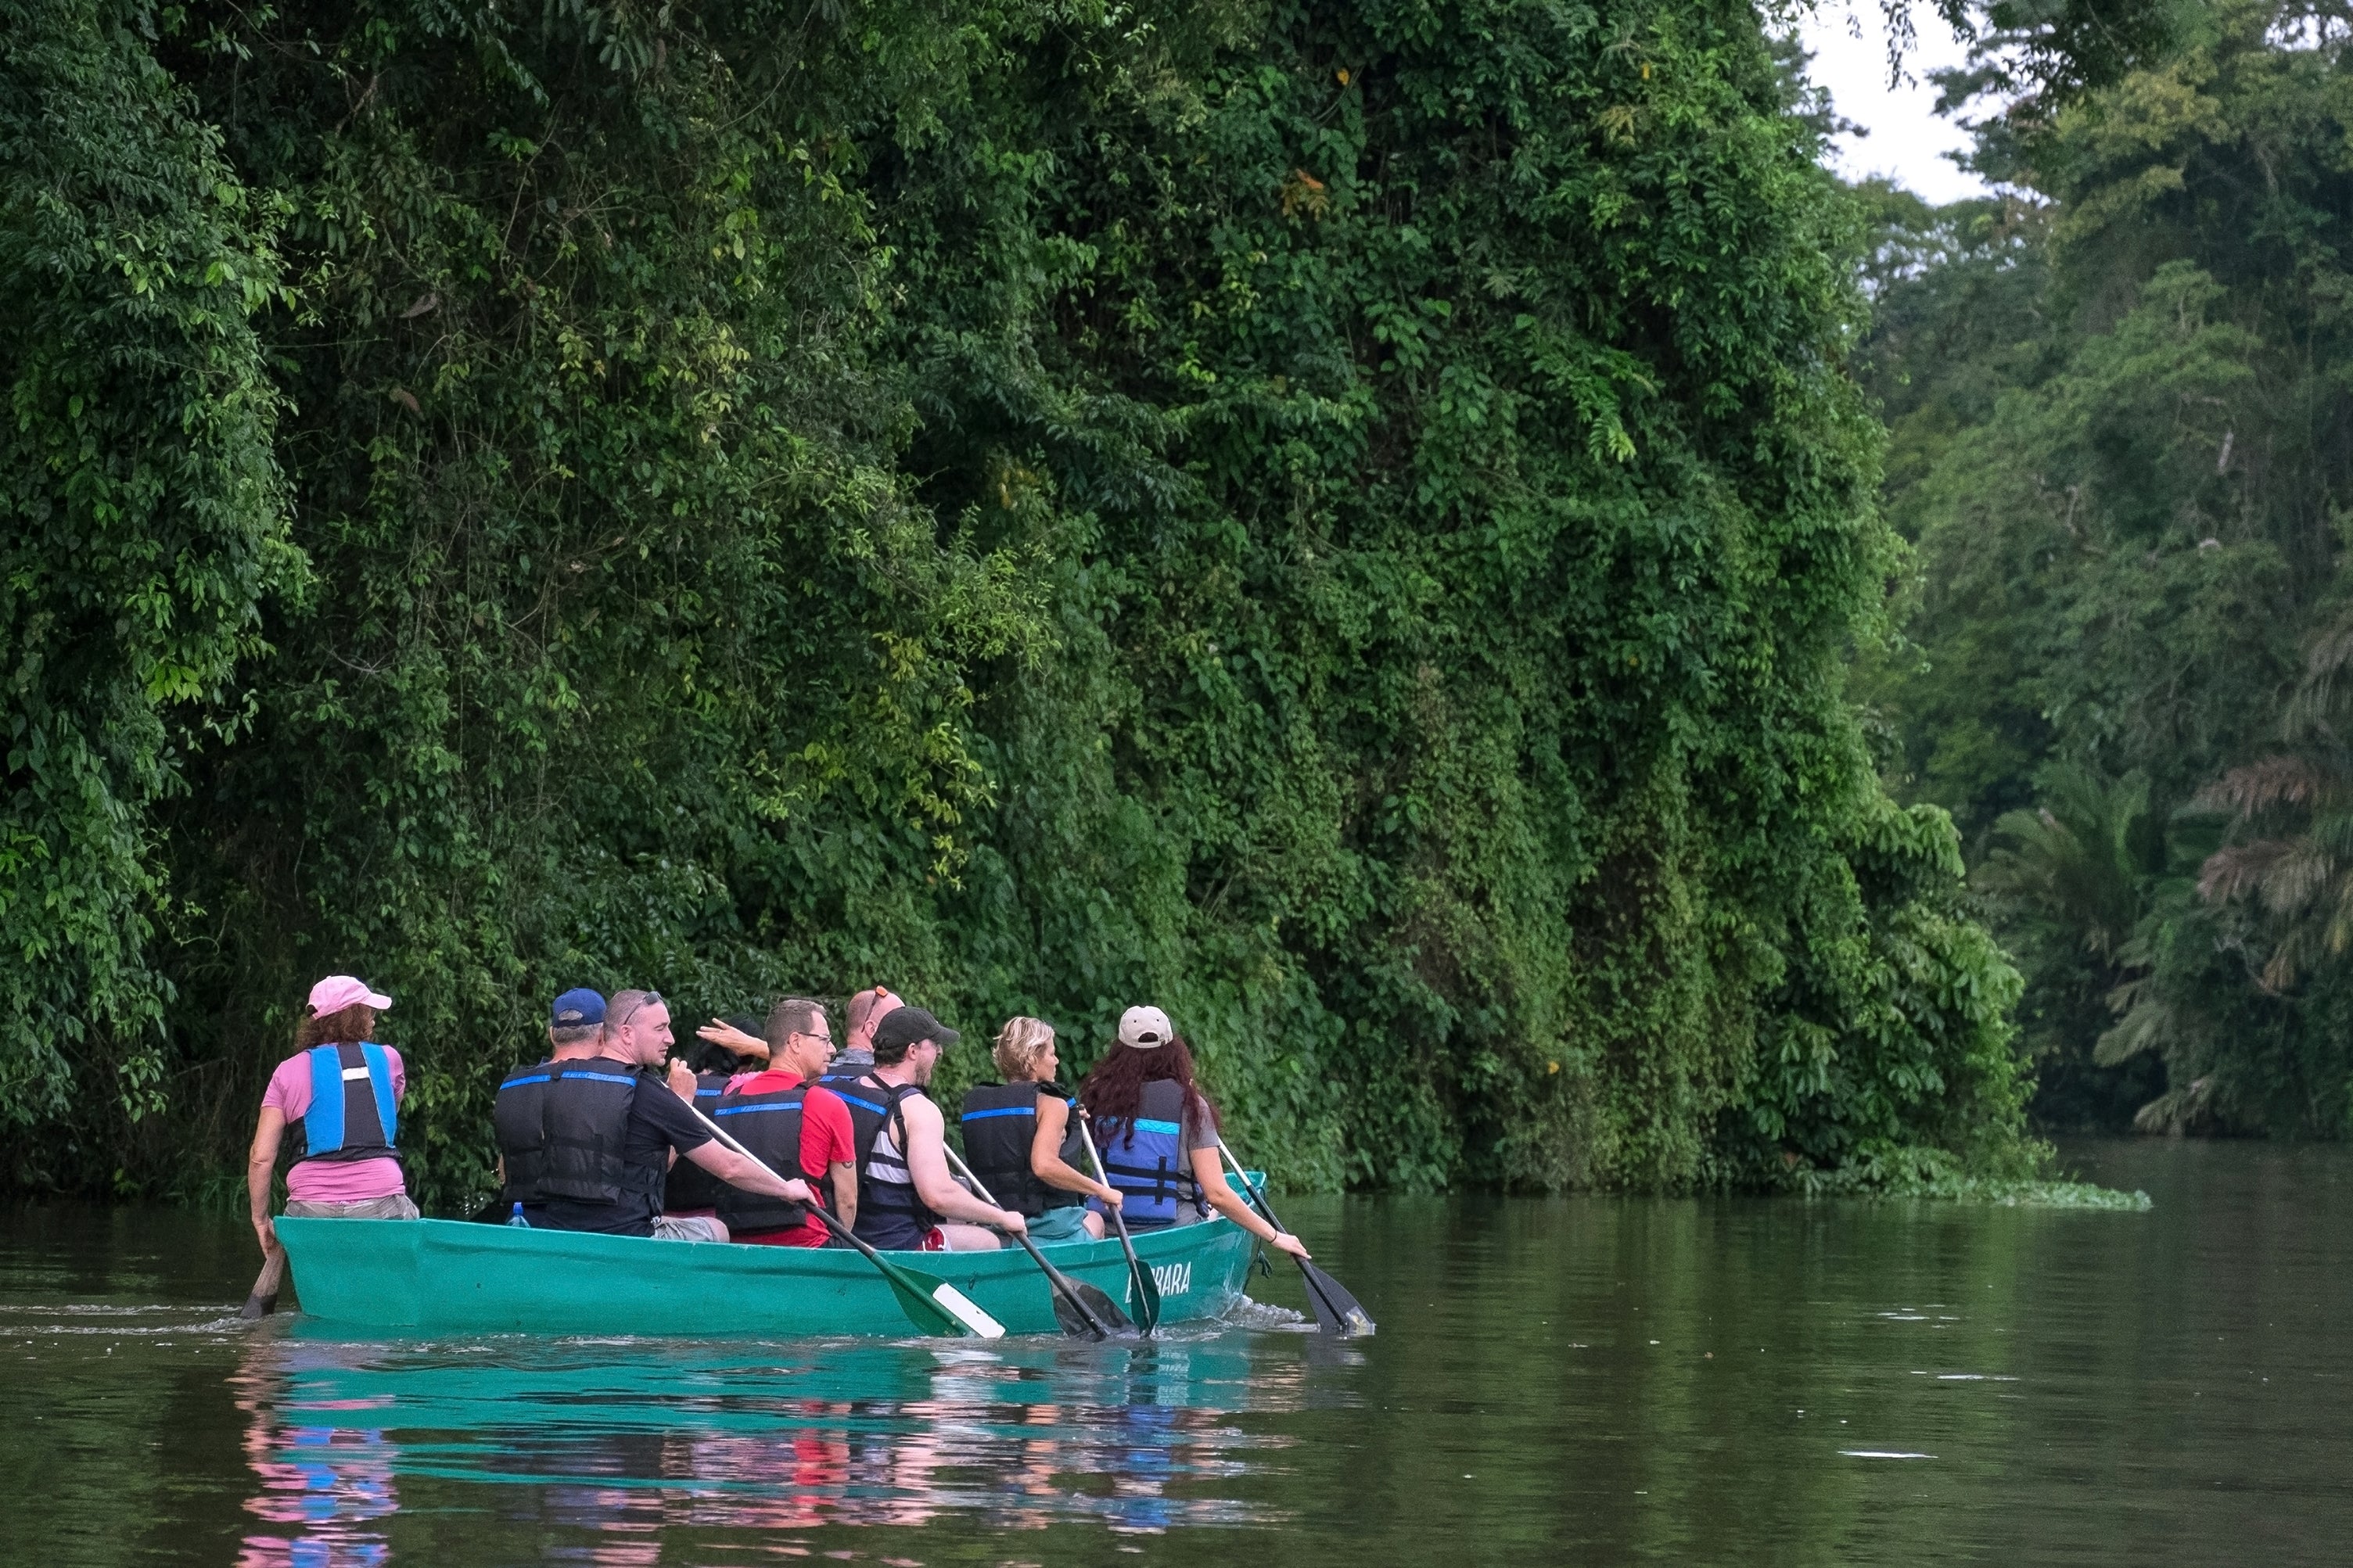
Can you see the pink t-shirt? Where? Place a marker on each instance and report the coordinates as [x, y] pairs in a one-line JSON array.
[[332, 1181]]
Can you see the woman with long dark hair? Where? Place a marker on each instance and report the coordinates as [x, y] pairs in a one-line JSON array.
[[1157, 1133]]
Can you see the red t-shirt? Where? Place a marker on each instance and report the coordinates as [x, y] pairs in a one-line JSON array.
[[826, 1141]]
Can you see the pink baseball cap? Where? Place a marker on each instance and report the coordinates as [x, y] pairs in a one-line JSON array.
[[337, 991]]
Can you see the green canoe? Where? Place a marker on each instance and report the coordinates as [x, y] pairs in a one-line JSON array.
[[451, 1276]]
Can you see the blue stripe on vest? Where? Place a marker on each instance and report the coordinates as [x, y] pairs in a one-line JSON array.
[[1008, 1111], [535, 1077], [387, 1110], [613, 1077], [862, 1104], [709, 1093], [322, 1124], [753, 1109], [1168, 1127]]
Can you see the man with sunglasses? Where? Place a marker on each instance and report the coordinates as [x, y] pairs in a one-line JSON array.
[[790, 1123], [588, 1135]]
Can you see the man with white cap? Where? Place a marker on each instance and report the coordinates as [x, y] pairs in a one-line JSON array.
[[341, 1093]]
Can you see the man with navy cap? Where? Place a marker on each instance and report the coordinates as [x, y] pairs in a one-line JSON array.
[[587, 1137]]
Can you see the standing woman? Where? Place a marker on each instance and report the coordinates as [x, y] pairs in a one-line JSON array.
[[1158, 1134], [1024, 1146], [341, 1093]]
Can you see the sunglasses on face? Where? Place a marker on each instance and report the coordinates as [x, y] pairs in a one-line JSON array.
[[650, 999]]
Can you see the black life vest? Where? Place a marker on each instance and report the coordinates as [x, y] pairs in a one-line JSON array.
[[1147, 1162], [891, 1217], [689, 1187], [563, 1127], [769, 1125], [354, 1113], [1000, 1127]]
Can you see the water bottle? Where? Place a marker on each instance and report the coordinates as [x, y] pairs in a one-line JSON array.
[[517, 1220]]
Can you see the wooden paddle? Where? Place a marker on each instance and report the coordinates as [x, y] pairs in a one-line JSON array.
[[1336, 1311], [1079, 1307], [1147, 1289], [933, 1306], [263, 1300]]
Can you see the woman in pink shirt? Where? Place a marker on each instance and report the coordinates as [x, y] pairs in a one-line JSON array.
[[340, 1093]]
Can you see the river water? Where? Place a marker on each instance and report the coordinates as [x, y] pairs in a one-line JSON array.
[[1588, 1380]]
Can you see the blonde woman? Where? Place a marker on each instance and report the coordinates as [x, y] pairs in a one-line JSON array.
[[1020, 1139]]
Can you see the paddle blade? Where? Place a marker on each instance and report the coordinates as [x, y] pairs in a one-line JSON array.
[[1072, 1319], [1336, 1311], [262, 1299], [964, 1309], [1144, 1295], [1098, 1303], [926, 1314]]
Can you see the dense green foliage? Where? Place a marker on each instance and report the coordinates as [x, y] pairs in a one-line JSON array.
[[2121, 420], [144, 525], [1348, 520]]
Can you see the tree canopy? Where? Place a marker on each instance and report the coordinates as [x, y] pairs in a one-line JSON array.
[[1347, 521], [2120, 416]]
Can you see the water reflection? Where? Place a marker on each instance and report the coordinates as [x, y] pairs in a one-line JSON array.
[[606, 1445], [322, 1481]]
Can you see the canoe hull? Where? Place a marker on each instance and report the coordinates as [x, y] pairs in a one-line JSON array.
[[449, 1276]]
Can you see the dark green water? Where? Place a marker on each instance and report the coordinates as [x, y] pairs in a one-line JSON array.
[[1581, 1381]]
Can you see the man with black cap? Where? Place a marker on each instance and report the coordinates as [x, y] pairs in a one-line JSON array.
[[907, 1202], [587, 1137]]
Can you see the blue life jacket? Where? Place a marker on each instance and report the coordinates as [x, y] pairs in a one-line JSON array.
[[563, 1126], [1146, 1160], [1000, 1127], [891, 1217], [691, 1189], [769, 1125], [354, 1113]]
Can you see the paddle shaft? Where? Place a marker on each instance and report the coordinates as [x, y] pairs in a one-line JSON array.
[[1053, 1275], [840, 1231], [1250, 1193], [262, 1299], [817, 1211], [1147, 1294]]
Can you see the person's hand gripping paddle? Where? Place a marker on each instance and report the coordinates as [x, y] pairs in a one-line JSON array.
[[1336, 1311], [1147, 1289], [933, 1306], [1079, 1307]]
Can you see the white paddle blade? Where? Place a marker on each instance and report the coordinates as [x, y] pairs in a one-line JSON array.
[[965, 1310]]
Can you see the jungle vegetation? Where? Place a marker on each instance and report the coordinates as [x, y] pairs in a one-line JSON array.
[[1354, 521], [2121, 405]]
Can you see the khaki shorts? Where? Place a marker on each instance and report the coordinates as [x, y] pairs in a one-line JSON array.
[[687, 1228], [397, 1206]]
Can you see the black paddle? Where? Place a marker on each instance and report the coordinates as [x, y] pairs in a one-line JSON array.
[[1147, 1289], [1336, 1311], [1079, 1307], [934, 1306]]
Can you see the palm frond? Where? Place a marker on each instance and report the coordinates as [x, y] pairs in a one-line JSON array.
[[2275, 780]]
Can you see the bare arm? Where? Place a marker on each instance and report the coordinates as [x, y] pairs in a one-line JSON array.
[[738, 1171], [1210, 1171], [1046, 1153], [260, 1170], [720, 1033], [845, 1191], [927, 1163]]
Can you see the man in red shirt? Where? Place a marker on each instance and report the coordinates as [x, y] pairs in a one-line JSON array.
[[799, 1043]]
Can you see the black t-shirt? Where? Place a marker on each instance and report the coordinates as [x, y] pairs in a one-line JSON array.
[[659, 1122]]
